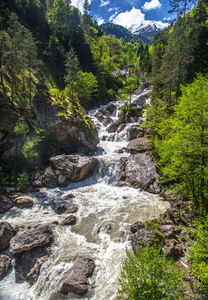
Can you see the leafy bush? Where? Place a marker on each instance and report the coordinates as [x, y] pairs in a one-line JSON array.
[[199, 257], [123, 111], [147, 274], [151, 224], [23, 180]]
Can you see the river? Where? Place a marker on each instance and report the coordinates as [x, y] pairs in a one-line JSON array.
[[106, 211]]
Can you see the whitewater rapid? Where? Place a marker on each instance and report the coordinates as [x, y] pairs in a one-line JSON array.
[[106, 212]]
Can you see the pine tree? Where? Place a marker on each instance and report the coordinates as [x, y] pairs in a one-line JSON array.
[[72, 68]]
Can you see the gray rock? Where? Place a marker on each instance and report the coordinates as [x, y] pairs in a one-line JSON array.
[[111, 107], [121, 127], [135, 131], [5, 235], [60, 207], [142, 237], [137, 226], [137, 145], [138, 171], [169, 231], [5, 204], [30, 239], [27, 265], [99, 115], [76, 168], [107, 121], [70, 220], [49, 178], [67, 135], [77, 278], [5, 263], [24, 202], [114, 126]]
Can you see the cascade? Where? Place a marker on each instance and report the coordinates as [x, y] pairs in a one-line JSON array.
[[106, 211]]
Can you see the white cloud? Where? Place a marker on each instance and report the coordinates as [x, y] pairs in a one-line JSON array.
[[113, 17], [154, 4], [110, 9], [128, 18], [104, 3], [100, 20], [79, 4]]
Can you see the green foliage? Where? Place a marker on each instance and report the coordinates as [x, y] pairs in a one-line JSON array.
[[183, 151], [21, 128], [151, 224], [28, 149], [23, 180], [148, 274], [199, 257]]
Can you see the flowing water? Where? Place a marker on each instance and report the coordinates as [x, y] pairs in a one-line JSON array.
[[106, 211]]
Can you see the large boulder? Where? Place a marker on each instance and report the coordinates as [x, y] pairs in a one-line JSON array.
[[5, 262], [5, 204], [135, 131], [5, 235], [75, 167], [28, 264], [138, 170], [30, 239], [67, 135], [49, 178], [107, 121], [137, 146], [77, 278]]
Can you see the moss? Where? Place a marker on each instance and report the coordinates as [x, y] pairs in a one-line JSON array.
[[151, 224]]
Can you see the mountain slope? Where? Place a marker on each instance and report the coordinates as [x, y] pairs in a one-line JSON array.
[[122, 32], [147, 28]]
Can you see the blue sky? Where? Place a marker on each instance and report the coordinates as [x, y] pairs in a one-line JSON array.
[[127, 12]]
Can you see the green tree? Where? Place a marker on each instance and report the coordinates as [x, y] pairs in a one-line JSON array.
[[146, 274], [72, 68], [87, 86], [198, 254], [183, 151]]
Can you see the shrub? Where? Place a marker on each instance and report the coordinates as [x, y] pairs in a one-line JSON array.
[[147, 274], [199, 257], [23, 180]]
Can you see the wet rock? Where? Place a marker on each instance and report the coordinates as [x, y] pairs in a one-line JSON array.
[[184, 236], [137, 226], [72, 209], [77, 280], [59, 207], [107, 121], [139, 101], [23, 202], [5, 204], [111, 107], [121, 127], [99, 115], [32, 238], [5, 263], [28, 264], [137, 145], [138, 171], [68, 196], [5, 235], [49, 178], [114, 126], [135, 131], [70, 220], [63, 181], [75, 167]]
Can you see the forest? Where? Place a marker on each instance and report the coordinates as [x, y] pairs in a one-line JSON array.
[[48, 46]]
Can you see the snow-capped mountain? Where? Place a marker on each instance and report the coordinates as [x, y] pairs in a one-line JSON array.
[[147, 28]]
